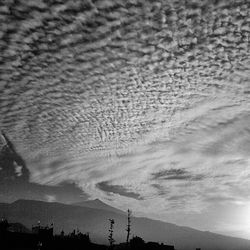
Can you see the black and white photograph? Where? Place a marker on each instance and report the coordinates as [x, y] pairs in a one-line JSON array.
[[124, 124]]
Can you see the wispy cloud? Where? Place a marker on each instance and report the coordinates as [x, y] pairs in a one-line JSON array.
[[176, 174]]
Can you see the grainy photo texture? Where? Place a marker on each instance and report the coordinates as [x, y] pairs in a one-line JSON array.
[[125, 124]]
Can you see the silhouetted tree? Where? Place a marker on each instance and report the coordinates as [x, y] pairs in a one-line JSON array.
[[128, 226], [62, 233], [137, 243], [111, 230]]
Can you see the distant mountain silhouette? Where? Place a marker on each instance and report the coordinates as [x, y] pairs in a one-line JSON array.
[[98, 204], [95, 221]]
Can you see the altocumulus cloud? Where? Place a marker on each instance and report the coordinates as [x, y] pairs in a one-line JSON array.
[[108, 100]]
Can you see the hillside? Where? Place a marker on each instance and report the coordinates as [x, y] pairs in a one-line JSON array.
[[98, 204], [95, 221]]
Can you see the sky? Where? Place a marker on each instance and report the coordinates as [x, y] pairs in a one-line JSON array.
[[142, 104]]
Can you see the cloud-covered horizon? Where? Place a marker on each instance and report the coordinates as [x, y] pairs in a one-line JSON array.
[[141, 104]]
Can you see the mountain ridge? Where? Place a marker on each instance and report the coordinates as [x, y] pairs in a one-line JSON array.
[[98, 204], [95, 221]]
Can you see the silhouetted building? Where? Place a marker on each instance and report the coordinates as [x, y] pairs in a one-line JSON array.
[[137, 243], [43, 232], [42, 238], [157, 246], [4, 225]]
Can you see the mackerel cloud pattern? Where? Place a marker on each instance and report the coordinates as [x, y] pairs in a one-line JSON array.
[[143, 103]]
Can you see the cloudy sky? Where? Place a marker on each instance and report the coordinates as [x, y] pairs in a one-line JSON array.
[[143, 104]]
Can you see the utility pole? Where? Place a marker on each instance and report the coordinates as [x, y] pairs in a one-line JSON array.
[[111, 230], [128, 226]]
